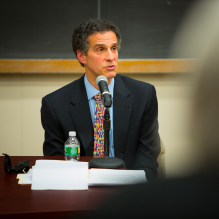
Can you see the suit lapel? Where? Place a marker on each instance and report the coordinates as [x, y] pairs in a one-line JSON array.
[[122, 108], [80, 113]]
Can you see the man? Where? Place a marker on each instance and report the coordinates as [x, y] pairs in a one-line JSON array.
[[134, 127]]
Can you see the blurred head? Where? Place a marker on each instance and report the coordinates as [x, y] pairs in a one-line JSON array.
[[199, 38], [206, 110]]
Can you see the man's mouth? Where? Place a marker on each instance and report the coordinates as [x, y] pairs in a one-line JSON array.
[[110, 67]]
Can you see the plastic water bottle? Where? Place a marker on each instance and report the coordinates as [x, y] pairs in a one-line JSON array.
[[72, 147]]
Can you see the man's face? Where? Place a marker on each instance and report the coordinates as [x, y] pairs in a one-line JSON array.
[[102, 56]]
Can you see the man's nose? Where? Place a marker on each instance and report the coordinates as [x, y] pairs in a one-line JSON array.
[[109, 55]]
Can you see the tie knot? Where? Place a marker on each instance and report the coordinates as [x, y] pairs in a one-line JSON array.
[[97, 97]]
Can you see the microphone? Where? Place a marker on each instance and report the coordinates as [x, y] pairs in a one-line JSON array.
[[106, 161], [101, 82]]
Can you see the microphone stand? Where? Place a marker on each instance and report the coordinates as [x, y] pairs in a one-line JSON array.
[[106, 161]]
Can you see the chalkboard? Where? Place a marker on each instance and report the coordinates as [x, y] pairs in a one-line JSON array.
[[147, 26], [43, 28]]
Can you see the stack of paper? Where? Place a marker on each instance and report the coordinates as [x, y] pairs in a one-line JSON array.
[[65, 175], [59, 175], [104, 177]]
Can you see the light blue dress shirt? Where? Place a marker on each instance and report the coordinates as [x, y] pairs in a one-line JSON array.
[[91, 92]]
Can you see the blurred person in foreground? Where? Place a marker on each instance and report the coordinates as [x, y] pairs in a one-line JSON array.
[[195, 195]]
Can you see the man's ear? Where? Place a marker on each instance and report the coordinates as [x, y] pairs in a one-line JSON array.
[[81, 57]]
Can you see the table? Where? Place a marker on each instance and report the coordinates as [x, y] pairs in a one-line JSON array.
[[19, 201]]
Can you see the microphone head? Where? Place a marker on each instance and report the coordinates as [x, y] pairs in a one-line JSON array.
[[101, 78]]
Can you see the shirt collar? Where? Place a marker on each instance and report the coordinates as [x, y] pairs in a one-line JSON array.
[[92, 91]]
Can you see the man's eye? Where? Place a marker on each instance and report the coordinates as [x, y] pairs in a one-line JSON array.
[[100, 49], [114, 48]]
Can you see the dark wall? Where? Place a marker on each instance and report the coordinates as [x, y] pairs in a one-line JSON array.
[[43, 28]]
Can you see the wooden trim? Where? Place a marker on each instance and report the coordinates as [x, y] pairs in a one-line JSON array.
[[155, 66], [73, 66]]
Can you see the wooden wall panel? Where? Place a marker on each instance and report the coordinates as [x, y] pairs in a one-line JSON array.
[[73, 66]]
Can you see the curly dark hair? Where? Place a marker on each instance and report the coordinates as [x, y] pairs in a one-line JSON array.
[[83, 31]]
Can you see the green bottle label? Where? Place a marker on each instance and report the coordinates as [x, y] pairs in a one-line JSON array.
[[72, 150]]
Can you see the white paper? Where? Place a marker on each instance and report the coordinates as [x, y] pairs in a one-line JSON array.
[[27, 177], [68, 175], [60, 175], [53, 164], [105, 177]]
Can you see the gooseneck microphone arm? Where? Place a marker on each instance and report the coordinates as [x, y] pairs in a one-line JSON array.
[[106, 127]]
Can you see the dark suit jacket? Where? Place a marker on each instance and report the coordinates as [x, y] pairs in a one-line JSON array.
[[135, 111]]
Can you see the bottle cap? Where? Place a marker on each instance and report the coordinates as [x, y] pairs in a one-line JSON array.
[[72, 133]]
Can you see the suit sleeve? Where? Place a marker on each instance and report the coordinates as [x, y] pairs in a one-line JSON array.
[[53, 144], [149, 140]]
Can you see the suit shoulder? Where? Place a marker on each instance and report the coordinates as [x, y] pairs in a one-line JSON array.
[[133, 84], [63, 92]]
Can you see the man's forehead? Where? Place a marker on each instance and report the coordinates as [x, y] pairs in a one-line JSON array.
[[103, 38]]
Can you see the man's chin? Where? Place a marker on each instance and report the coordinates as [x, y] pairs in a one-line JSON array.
[[110, 75]]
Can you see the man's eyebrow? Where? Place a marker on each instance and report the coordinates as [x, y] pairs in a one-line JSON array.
[[99, 44]]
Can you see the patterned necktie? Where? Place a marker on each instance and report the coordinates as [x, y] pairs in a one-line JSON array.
[[98, 127]]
